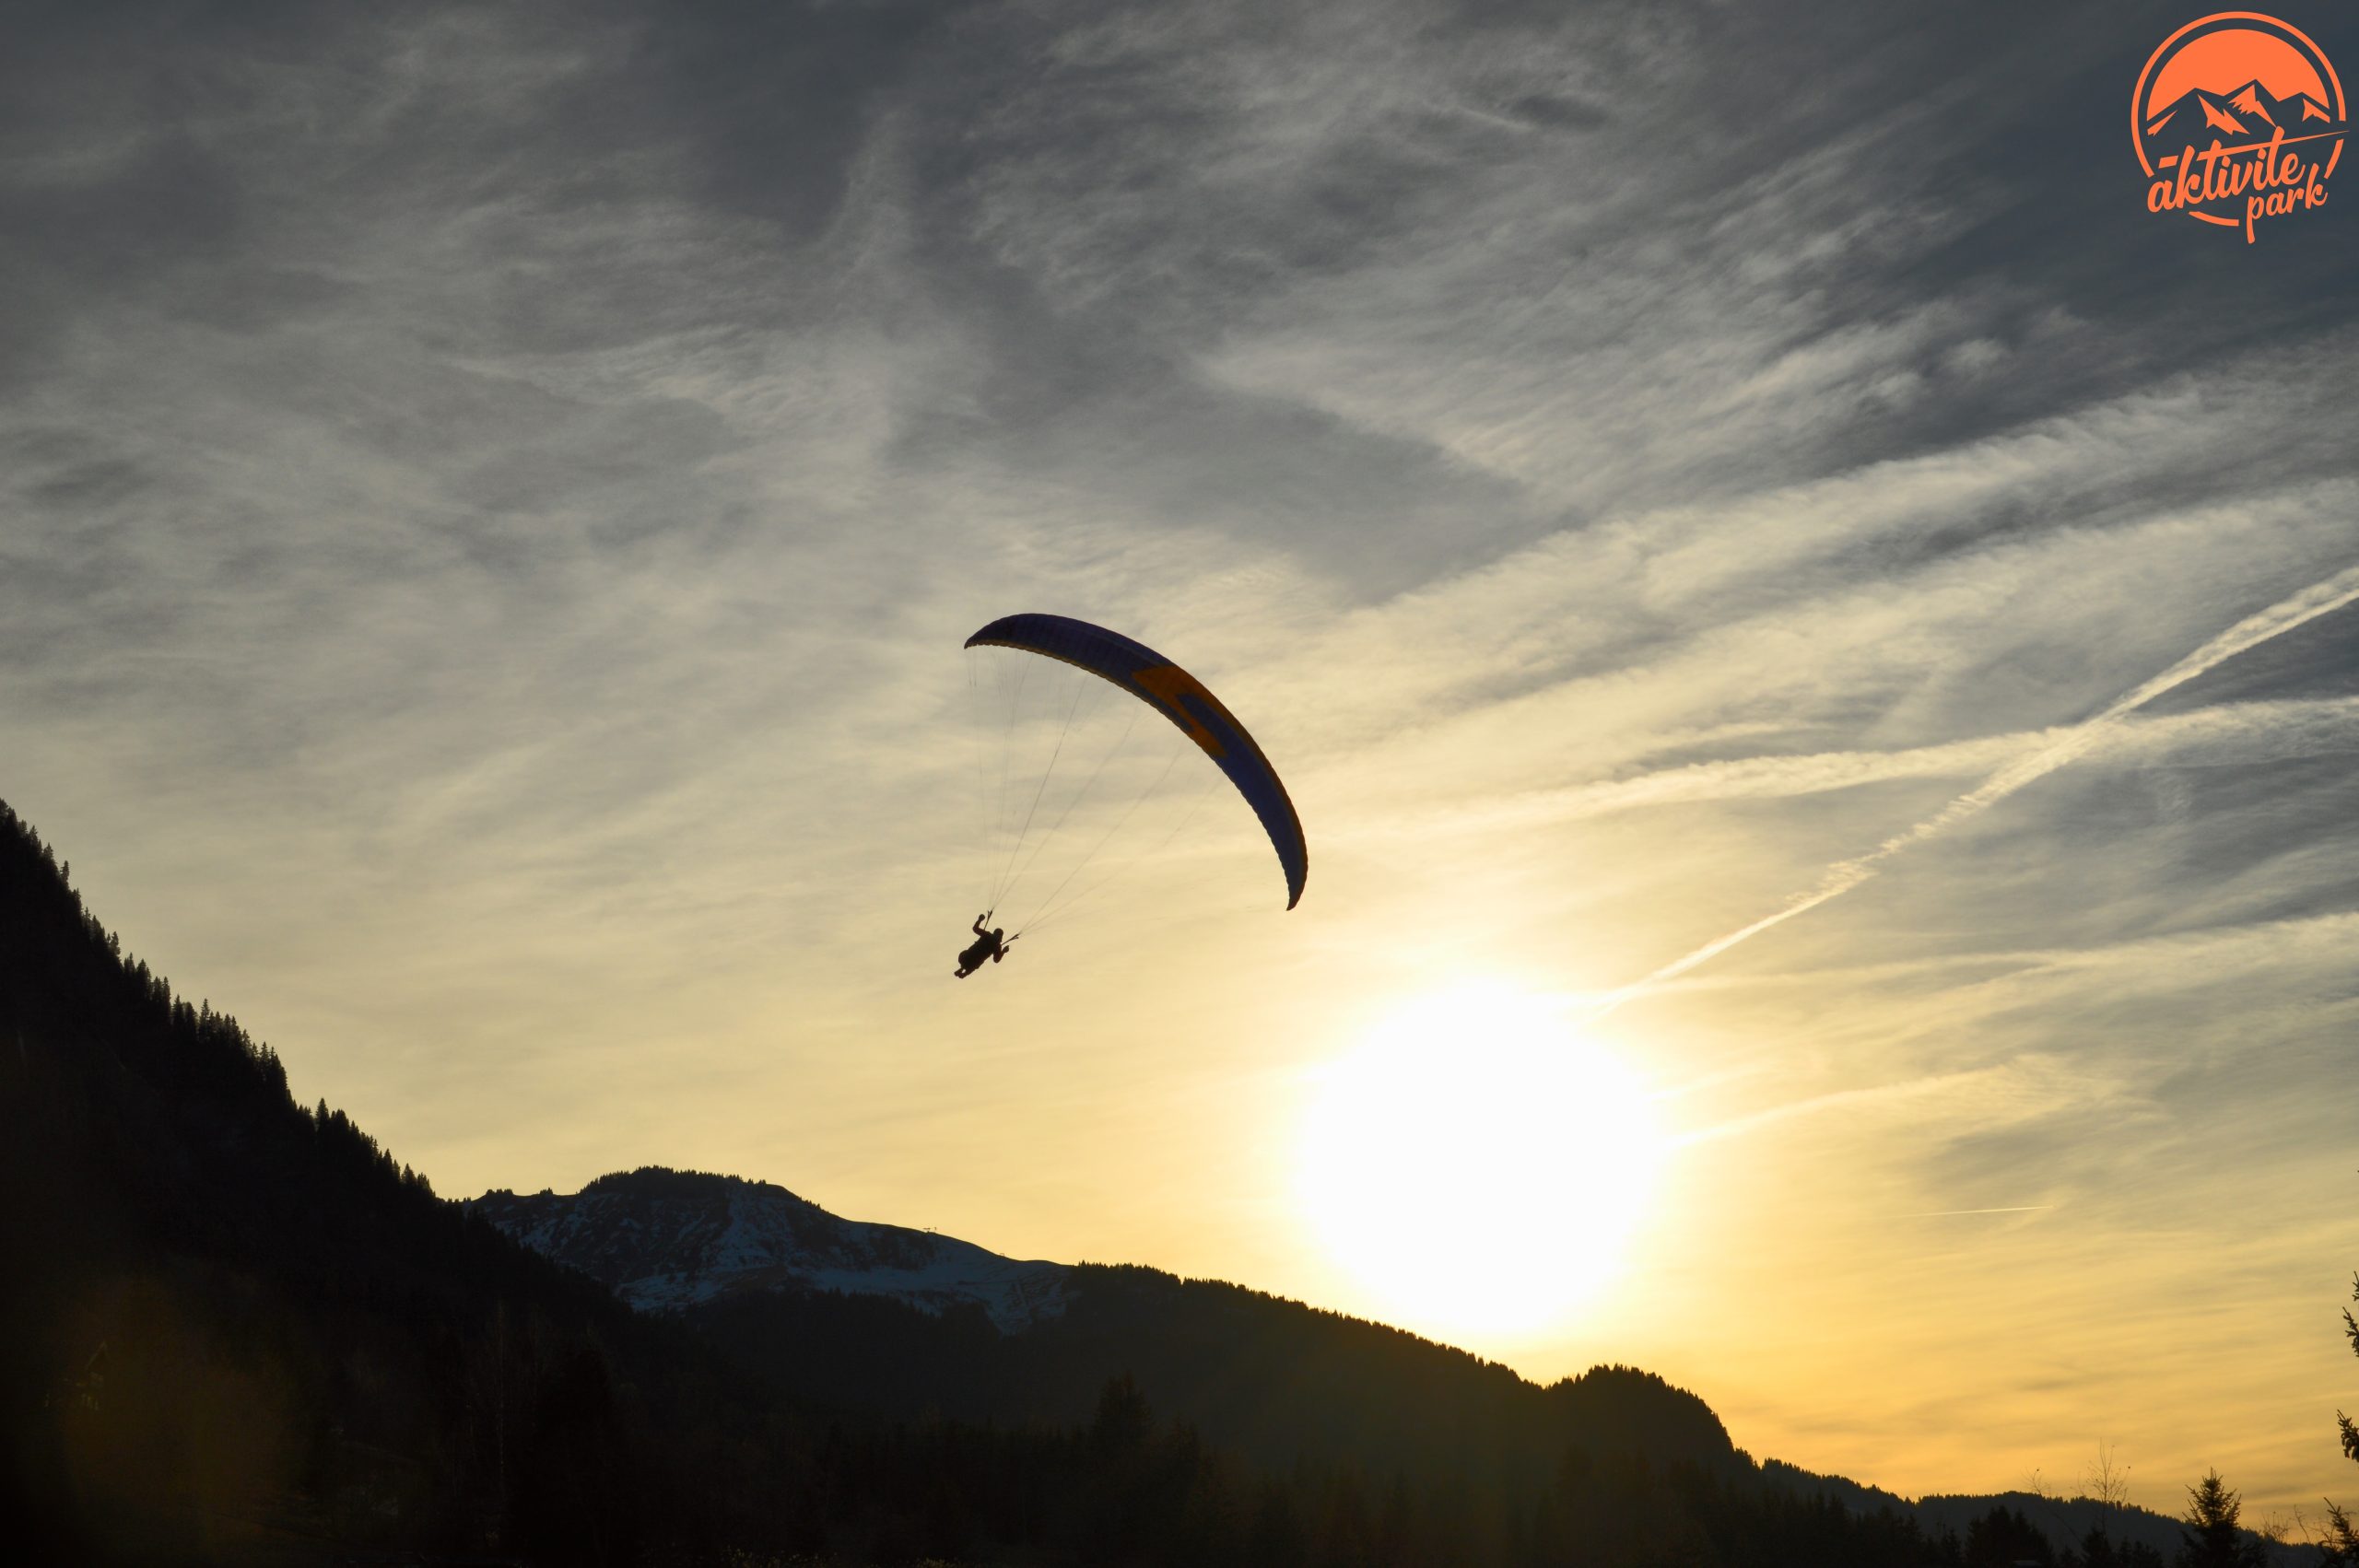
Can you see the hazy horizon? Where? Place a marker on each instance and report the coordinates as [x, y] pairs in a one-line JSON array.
[[495, 500]]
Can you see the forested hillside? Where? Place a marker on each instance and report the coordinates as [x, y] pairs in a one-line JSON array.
[[235, 1330], [232, 1323]]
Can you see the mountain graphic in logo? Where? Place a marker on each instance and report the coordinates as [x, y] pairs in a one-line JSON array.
[[2252, 110], [2235, 118]]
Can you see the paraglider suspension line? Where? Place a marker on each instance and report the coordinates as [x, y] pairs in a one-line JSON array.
[[1044, 913], [1005, 876], [1071, 801], [1006, 761]]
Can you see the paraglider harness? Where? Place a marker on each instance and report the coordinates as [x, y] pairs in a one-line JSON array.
[[988, 947]]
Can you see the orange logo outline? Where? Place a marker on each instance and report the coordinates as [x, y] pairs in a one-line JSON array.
[[2176, 101]]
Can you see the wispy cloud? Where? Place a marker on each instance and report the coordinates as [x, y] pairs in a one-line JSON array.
[[2248, 732], [2319, 599], [489, 501]]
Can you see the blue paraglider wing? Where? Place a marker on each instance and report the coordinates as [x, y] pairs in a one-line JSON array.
[[1181, 698]]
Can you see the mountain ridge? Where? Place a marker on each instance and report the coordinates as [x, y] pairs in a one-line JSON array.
[[239, 1331], [666, 1240], [1641, 1402]]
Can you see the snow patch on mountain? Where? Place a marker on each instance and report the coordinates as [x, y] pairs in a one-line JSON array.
[[665, 1241]]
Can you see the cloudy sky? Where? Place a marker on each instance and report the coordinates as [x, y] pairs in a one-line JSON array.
[[493, 497]]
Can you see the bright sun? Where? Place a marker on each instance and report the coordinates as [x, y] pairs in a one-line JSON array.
[[1478, 1163]]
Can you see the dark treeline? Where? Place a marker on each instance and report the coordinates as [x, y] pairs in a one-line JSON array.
[[232, 1326], [236, 1330], [1270, 1378]]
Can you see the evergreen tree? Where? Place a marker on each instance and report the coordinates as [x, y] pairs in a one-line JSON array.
[[2342, 1538], [2211, 1537]]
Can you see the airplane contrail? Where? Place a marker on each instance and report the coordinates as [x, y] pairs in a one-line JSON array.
[[1953, 1214], [2319, 599]]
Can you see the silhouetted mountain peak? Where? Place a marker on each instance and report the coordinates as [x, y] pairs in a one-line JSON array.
[[1642, 1411], [665, 1240], [238, 1331]]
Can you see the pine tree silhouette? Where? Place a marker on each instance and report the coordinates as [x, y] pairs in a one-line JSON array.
[[2210, 1533]]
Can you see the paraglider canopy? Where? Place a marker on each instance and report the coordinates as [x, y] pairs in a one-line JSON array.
[[1181, 698]]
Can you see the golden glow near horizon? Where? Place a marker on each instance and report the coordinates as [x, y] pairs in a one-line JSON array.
[[1477, 1163], [498, 635]]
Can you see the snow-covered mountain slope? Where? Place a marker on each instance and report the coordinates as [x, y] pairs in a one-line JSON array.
[[666, 1240]]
